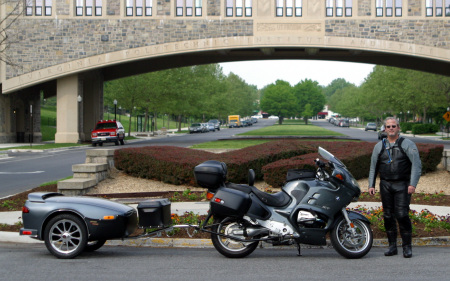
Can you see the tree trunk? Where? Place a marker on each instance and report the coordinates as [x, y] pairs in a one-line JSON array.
[[129, 127], [155, 114], [144, 129], [179, 122]]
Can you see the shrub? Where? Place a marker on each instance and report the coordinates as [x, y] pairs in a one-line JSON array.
[[270, 161], [356, 156], [424, 128]]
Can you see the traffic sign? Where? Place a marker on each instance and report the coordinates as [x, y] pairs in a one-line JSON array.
[[447, 116]]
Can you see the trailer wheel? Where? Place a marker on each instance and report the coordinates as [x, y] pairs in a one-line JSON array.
[[65, 236]]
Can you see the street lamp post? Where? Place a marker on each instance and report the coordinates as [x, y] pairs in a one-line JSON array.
[[115, 109], [80, 119]]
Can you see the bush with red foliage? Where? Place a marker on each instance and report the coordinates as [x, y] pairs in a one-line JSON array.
[[270, 160]]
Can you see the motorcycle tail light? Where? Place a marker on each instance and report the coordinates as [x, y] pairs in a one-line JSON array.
[[209, 195], [25, 210]]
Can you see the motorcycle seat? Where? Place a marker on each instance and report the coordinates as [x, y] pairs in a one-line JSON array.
[[279, 199]]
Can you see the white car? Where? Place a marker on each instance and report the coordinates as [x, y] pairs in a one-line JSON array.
[[273, 117]]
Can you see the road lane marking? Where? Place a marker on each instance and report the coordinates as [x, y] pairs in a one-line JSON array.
[[21, 173]]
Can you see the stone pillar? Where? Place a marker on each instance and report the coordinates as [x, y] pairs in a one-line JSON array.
[[67, 112], [6, 117], [91, 84]]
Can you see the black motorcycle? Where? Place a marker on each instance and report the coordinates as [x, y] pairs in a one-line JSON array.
[[310, 205]]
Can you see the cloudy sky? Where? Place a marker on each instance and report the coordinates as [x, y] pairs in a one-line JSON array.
[[262, 73]]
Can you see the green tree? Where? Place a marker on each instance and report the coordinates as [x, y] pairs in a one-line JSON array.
[[279, 99], [309, 92], [307, 112]]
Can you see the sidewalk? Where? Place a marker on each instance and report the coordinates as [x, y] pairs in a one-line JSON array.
[[201, 208]]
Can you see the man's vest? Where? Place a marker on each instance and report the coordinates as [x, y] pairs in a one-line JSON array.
[[393, 163]]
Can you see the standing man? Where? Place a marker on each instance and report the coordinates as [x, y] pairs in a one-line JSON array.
[[397, 161]]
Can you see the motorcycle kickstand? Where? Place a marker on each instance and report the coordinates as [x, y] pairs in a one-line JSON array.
[[299, 253]]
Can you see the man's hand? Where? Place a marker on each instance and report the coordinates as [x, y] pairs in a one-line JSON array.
[[411, 189], [372, 190]]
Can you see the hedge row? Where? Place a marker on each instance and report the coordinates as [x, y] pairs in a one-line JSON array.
[[355, 155], [270, 161], [424, 129], [176, 165]]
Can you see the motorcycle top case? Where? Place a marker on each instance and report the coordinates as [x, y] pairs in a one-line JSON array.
[[210, 174], [230, 203], [154, 213]]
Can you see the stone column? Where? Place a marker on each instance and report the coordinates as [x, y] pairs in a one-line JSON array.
[[92, 106], [67, 115]]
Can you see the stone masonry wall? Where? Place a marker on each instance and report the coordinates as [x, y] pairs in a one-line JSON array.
[[430, 33], [213, 8], [364, 8], [62, 7], [45, 43], [414, 8], [163, 8], [113, 7]]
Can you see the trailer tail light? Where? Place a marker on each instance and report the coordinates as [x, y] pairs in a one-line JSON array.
[[25, 210], [26, 232]]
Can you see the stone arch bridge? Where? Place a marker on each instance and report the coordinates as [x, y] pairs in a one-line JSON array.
[[68, 48]]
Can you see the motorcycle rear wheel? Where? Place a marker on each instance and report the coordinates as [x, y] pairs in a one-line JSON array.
[[226, 246], [349, 245]]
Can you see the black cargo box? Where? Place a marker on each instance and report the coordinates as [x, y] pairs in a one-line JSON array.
[[298, 174], [154, 213], [210, 174], [230, 202]]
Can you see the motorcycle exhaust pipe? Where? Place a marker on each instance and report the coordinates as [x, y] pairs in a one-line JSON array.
[[255, 231]]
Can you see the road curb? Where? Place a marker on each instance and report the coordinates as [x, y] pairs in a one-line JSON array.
[[162, 242]]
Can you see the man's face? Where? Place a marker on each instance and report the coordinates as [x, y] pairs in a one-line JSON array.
[[390, 130]]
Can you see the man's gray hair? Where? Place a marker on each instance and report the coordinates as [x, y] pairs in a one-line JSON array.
[[391, 118]]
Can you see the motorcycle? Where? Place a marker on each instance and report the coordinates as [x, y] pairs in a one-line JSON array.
[[310, 205]]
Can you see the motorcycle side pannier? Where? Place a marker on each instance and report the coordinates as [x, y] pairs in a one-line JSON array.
[[210, 174], [154, 213], [230, 202]]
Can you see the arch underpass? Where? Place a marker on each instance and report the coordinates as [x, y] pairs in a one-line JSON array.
[[71, 55]]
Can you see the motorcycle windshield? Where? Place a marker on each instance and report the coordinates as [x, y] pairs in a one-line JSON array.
[[330, 157]]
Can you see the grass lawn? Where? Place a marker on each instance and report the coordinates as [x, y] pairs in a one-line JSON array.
[[229, 144], [291, 130]]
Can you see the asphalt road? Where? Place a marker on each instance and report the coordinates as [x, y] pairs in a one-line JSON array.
[[34, 262], [25, 170]]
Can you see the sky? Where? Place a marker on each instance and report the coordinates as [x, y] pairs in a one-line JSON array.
[[263, 73]]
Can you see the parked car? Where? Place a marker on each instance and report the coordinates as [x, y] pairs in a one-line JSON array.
[[371, 127], [205, 127], [216, 123], [273, 117], [254, 120], [344, 123], [211, 127], [382, 133], [108, 131], [196, 128]]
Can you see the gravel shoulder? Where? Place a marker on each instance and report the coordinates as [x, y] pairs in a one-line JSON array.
[[119, 182]]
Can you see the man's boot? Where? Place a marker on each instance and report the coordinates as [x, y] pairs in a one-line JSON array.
[[392, 238], [407, 239]]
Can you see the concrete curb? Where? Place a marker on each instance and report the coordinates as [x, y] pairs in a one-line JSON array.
[[160, 242]]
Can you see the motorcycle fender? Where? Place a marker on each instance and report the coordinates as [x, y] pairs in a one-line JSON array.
[[353, 216]]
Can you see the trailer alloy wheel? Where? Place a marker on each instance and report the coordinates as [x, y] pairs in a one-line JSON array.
[[65, 236]]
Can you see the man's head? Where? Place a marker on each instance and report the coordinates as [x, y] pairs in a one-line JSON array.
[[392, 127]]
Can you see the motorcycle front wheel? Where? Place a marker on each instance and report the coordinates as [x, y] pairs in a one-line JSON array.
[[227, 246], [352, 244]]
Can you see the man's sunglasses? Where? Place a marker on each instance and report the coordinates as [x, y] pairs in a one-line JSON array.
[[393, 126]]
